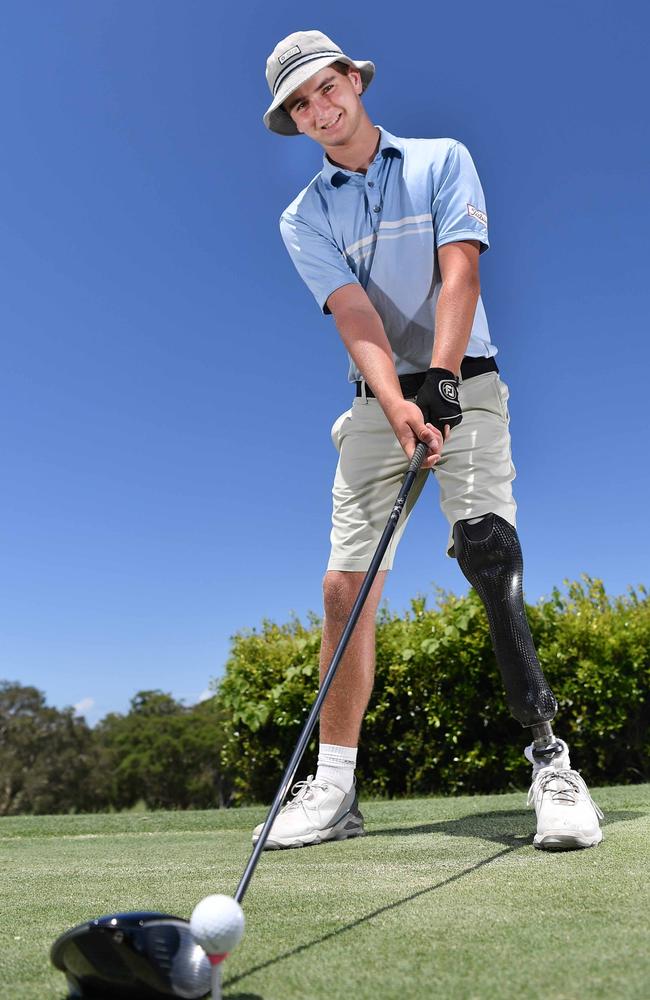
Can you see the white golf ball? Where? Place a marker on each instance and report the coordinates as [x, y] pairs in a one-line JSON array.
[[217, 924]]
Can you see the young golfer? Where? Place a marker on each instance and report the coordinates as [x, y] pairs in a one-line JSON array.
[[387, 237]]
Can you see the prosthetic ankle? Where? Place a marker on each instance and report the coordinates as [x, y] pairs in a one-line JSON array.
[[489, 554], [546, 748]]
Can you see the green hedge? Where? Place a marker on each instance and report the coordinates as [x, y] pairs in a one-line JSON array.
[[437, 721]]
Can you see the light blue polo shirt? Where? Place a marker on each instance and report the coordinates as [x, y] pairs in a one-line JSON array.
[[381, 230]]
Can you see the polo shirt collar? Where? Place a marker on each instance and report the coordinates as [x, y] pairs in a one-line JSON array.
[[389, 145]]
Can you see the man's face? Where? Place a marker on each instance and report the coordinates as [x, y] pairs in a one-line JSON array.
[[327, 107]]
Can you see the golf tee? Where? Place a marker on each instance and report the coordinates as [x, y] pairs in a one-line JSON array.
[[215, 962]]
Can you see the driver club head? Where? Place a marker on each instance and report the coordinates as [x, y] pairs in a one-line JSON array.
[[132, 956]]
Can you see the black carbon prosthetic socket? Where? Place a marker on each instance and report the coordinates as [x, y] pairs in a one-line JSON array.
[[489, 554]]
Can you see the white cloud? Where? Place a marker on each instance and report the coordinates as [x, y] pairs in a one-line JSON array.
[[84, 706], [208, 693]]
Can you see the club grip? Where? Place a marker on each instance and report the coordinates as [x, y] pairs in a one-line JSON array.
[[419, 456]]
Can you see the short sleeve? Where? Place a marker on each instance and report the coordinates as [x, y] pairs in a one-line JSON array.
[[458, 203], [318, 260]]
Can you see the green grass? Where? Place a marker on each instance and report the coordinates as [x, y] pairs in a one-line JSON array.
[[444, 898]]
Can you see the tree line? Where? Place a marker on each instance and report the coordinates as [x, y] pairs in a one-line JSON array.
[[161, 753], [437, 722]]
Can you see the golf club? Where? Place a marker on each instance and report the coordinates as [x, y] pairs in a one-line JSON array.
[[154, 955], [308, 728]]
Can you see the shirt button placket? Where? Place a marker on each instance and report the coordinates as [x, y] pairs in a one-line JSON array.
[[373, 197]]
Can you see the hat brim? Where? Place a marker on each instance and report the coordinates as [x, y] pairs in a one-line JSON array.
[[276, 118]]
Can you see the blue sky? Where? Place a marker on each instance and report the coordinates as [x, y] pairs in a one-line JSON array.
[[167, 383]]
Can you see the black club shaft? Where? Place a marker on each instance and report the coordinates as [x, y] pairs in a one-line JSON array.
[[308, 728]]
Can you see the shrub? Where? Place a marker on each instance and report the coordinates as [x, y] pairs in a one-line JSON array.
[[437, 721]]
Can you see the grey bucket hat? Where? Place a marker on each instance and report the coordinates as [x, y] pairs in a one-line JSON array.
[[292, 62]]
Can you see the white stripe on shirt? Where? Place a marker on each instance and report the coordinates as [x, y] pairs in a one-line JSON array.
[[408, 220], [362, 252]]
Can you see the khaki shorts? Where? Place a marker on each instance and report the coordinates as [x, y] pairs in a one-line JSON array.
[[474, 474]]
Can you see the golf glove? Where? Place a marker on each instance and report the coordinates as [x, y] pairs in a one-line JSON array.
[[438, 399]]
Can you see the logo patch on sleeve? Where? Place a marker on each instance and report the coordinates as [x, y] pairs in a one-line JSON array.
[[477, 214], [294, 51]]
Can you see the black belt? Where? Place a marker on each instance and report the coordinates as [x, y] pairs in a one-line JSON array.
[[410, 384]]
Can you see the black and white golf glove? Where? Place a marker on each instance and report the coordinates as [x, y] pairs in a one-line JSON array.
[[438, 399]]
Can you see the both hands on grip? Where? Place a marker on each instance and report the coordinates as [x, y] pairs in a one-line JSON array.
[[437, 403], [438, 400]]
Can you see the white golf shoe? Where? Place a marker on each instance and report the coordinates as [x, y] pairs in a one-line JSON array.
[[567, 816], [319, 811]]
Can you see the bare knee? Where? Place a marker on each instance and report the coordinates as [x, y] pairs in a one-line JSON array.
[[340, 591]]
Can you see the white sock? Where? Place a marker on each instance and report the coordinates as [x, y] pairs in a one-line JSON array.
[[336, 764]]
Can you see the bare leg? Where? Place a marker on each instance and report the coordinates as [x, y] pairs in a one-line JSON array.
[[347, 699]]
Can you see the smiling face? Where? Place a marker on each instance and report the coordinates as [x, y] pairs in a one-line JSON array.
[[327, 107]]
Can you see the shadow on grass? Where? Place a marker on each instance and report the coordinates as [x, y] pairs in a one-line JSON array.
[[511, 827], [231, 996], [369, 916], [514, 828]]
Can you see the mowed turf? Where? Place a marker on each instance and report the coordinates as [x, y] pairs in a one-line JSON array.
[[443, 898]]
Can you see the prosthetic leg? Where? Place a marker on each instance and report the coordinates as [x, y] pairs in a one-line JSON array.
[[489, 554]]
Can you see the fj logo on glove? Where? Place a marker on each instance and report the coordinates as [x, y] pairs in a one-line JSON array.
[[448, 390]]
